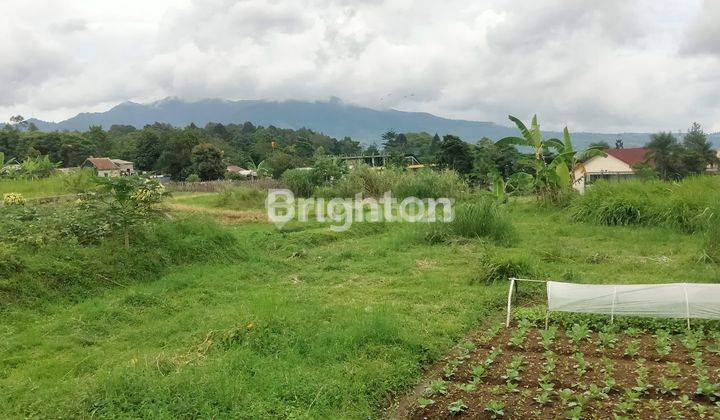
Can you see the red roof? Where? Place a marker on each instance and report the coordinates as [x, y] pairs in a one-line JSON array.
[[103, 164], [631, 156]]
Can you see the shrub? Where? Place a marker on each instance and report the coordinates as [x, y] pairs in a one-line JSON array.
[[483, 218], [193, 178], [299, 181]]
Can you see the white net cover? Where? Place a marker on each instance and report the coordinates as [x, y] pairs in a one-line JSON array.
[[672, 300]]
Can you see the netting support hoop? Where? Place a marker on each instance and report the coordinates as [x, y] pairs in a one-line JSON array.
[[687, 305], [509, 302], [612, 309], [547, 318]]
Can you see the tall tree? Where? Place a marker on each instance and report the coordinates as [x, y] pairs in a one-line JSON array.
[[207, 162], [698, 153], [100, 138], [455, 154], [666, 154]]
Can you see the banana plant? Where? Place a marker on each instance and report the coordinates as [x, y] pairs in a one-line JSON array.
[[554, 176], [5, 167], [262, 170]]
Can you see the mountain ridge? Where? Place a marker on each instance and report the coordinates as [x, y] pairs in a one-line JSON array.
[[333, 117]]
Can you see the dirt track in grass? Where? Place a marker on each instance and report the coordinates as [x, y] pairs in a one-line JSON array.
[[568, 379]]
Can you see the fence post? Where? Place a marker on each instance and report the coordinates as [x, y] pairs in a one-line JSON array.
[[509, 303]]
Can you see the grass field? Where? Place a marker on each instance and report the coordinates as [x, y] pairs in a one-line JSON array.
[[310, 323]]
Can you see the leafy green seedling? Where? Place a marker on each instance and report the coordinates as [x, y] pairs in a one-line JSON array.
[[457, 407], [425, 402], [438, 387], [495, 408], [578, 332], [468, 387], [668, 386], [633, 348], [543, 398]]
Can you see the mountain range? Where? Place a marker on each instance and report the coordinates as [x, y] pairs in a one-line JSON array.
[[333, 117]]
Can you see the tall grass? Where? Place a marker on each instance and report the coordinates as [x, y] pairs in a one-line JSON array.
[[428, 184], [240, 198], [684, 206], [402, 183], [31, 274], [483, 218], [712, 235], [55, 185]]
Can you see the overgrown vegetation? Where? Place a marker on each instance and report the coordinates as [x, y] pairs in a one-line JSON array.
[[483, 218], [686, 205]]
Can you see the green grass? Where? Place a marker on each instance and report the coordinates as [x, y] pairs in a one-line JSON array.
[[235, 198], [685, 205], [52, 186], [483, 218], [46, 187], [310, 324]]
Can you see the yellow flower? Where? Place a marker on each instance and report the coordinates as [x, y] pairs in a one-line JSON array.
[[13, 199]]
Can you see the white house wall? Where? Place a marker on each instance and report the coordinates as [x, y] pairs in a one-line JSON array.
[[599, 165]]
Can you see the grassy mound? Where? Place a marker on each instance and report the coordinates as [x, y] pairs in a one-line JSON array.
[[32, 274]]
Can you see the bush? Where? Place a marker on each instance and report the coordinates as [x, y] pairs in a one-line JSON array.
[[483, 218], [299, 181], [684, 205], [193, 178]]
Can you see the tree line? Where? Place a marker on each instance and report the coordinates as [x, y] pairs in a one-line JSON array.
[[205, 152]]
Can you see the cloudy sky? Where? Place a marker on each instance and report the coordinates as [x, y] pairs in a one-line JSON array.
[[608, 66]]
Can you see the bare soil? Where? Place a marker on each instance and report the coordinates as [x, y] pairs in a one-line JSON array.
[[655, 402]]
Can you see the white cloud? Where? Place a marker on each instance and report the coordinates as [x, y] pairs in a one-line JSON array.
[[601, 66]]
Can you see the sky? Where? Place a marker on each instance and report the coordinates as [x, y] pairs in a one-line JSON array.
[[603, 66]]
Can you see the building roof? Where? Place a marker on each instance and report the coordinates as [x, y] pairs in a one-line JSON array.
[[236, 169], [102, 164], [631, 156]]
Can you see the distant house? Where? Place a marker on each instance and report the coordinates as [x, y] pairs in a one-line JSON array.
[[107, 167], [126, 167], [617, 165], [375, 161], [714, 168]]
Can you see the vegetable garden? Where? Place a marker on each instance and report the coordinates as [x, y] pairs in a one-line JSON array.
[[574, 372]]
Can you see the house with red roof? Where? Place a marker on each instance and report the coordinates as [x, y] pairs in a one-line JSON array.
[[106, 167], [618, 164]]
